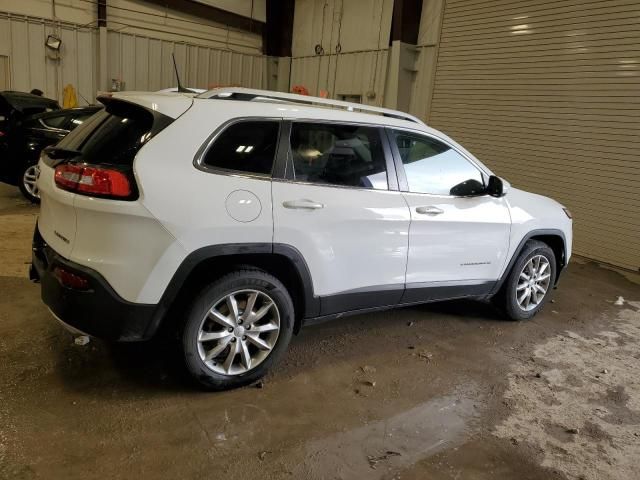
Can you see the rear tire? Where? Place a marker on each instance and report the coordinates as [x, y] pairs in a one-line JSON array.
[[528, 286], [236, 329], [27, 184]]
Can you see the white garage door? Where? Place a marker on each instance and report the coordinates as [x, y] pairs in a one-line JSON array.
[[547, 93]]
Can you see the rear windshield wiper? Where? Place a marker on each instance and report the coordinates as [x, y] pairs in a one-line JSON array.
[[60, 152]]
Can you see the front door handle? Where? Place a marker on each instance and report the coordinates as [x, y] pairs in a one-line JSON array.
[[429, 210], [303, 204]]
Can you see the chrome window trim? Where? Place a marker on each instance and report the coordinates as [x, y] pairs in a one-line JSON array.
[[203, 149], [331, 185], [50, 128]]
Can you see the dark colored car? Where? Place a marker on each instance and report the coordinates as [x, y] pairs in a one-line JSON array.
[[27, 137]]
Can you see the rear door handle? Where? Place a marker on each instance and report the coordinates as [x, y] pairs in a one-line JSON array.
[[429, 210], [303, 204]]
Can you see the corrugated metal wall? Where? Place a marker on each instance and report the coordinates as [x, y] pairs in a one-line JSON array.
[[548, 95], [345, 74], [22, 39], [145, 64], [5, 81], [354, 36]]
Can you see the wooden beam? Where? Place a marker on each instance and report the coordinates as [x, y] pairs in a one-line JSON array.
[[102, 13], [405, 22], [213, 14], [278, 34]]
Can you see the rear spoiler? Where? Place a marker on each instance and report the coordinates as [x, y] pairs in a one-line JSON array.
[[170, 104]]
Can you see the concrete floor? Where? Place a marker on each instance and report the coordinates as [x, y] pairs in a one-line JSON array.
[[440, 392]]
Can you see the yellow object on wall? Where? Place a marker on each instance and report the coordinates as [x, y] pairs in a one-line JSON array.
[[69, 99]]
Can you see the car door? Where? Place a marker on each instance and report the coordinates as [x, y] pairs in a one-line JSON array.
[[40, 132], [459, 236], [340, 208]]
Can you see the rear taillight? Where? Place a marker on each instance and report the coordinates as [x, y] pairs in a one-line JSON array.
[[92, 180]]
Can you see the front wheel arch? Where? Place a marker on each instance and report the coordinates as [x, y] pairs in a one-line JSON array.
[[553, 238], [507, 298]]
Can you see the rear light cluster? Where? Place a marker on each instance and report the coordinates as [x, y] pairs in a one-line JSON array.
[[93, 180]]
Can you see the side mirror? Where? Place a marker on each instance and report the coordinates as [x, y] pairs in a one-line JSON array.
[[468, 188], [496, 187]]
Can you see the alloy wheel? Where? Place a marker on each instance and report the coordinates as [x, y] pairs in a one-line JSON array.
[[29, 180], [533, 282], [238, 332]]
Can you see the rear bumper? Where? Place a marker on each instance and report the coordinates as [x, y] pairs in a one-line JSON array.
[[98, 310]]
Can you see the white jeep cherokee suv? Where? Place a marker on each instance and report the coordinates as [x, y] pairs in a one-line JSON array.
[[242, 215]]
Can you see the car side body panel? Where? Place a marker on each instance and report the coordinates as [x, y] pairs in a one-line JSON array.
[[531, 212]]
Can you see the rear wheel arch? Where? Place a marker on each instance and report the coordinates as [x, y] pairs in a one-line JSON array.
[[208, 263]]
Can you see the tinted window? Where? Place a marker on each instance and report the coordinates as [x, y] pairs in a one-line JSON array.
[[245, 147], [346, 155], [58, 121], [433, 167], [114, 135]]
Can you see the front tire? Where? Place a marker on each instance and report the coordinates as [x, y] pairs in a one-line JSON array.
[[236, 329], [27, 184], [530, 281]]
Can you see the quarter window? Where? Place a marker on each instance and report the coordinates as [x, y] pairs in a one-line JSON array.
[[345, 155], [245, 147], [433, 167]]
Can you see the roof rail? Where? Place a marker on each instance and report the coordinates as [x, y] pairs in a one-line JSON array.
[[249, 94]]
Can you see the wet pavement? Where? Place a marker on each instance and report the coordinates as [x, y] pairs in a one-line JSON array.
[[446, 391]]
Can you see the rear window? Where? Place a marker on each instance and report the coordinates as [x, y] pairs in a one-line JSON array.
[[55, 122], [114, 135]]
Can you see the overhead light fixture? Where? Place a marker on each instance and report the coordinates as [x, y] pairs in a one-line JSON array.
[[53, 42]]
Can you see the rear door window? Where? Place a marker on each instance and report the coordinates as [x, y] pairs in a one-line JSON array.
[[342, 155]]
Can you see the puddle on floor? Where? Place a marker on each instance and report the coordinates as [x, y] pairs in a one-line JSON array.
[[373, 450]]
